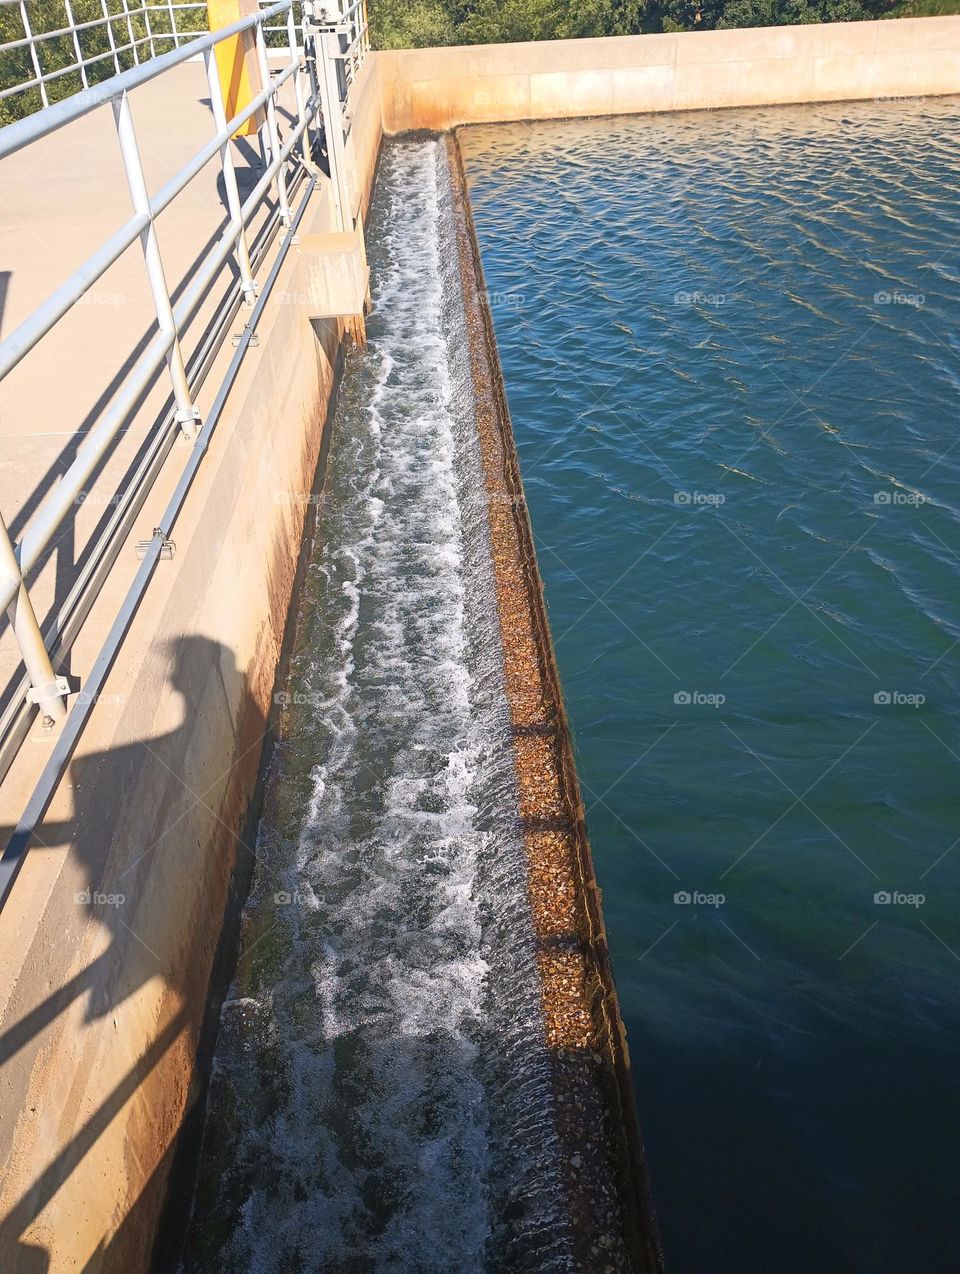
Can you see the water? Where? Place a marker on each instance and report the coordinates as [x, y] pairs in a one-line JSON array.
[[737, 423], [381, 1096]]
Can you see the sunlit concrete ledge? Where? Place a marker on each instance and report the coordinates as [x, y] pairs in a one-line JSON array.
[[842, 61]]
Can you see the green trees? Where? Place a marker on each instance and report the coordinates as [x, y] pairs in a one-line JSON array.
[[59, 53], [394, 24], [399, 24], [402, 23]]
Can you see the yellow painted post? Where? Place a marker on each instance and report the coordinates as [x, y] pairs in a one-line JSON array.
[[237, 63]]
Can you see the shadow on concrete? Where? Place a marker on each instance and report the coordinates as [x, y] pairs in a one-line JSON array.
[[149, 938], [70, 560], [4, 289]]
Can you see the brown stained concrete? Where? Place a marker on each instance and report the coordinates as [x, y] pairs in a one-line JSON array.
[[763, 66], [110, 931], [608, 1193]]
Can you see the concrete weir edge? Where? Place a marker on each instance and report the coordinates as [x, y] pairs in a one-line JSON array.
[[596, 1116]]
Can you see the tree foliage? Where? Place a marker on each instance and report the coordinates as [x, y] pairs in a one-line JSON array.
[[397, 24], [58, 53]]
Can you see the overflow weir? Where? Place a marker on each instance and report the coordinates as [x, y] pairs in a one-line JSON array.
[[422, 1044], [418, 1059]]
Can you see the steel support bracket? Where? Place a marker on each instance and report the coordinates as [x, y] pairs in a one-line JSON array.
[[59, 688], [167, 548], [189, 422]]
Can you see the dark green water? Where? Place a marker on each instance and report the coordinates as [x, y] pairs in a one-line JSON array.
[[731, 348]]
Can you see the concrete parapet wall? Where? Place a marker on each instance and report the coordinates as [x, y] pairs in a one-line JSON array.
[[441, 88]]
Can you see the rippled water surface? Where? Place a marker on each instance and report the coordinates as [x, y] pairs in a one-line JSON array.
[[731, 347]]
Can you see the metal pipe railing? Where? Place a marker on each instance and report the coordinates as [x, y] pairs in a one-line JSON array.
[[19, 843], [181, 16], [24, 131], [125, 506], [177, 14], [286, 165], [44, 688]]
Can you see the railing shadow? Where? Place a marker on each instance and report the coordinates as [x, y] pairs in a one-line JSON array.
[[70, 562], [146, 938]]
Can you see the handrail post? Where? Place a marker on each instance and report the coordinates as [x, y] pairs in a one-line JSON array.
[[247, 283], [273, 134], [28, 32], [298, 83], [146, 22], [173, 25], [76, 44], [329, 49], [133, 40], [108, 23], [47, 690], [310, 55], [187, 415]]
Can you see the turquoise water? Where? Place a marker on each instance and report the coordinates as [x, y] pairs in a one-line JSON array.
[[731, 348]]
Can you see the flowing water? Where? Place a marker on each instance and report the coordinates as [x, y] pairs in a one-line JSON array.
[[380, 1097], [731, 344]]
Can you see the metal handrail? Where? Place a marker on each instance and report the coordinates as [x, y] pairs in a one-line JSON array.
[[350, 19], [23, 131], [44, 689], [314, 47], [34, 40], [320, 66]]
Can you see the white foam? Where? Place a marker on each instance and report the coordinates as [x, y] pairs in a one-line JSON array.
[[368, 1086]]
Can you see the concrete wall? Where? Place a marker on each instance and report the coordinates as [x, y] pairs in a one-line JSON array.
[[440, 88], [110, 933]]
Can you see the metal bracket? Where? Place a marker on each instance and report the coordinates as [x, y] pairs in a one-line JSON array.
[[59, 688], [167, 548], [189, 422], [237, 337]]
